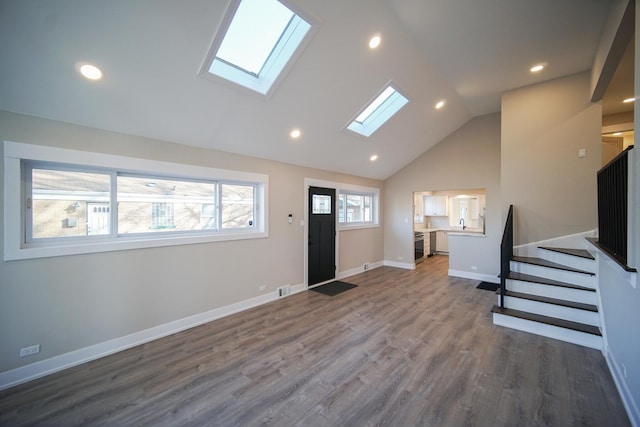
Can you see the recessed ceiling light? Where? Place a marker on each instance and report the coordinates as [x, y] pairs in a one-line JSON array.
[[440, 104], [617, 133], [374, 42], [628, 100], [373, 158], [537, 68], [91, 72], [295, 134]]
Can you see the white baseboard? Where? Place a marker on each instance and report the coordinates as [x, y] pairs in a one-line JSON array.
[[623, 390], [405, 265], [491, 278], [58, 363], [358, 270]]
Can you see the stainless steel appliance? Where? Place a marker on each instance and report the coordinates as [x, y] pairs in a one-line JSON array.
[[418, 244], [431, 250]]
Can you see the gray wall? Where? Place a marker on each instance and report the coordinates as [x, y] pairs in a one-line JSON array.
[[620, 291], [543, 127], [71, 302], [604, 65], [468, 158], [620, 308]]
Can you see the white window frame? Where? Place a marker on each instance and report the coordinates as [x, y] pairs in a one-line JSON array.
[[16, 247], [374, 193]]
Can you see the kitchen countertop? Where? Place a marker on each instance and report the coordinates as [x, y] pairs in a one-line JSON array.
[[456, 231], [470, 233], [426, 230]]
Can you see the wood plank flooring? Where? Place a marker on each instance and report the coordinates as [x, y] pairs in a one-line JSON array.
[[404, 348]]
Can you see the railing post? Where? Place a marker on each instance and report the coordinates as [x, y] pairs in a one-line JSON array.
[[633, 206], [506, 253]]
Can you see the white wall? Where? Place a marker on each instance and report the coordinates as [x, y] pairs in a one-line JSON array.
[[543, 127], [468, 158], [72, 302], [620, 308], [620, 291]]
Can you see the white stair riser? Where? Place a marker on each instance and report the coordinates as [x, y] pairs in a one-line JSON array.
[[568, 260], [562, 334], [567, 294], [552, 310], [581, 279]]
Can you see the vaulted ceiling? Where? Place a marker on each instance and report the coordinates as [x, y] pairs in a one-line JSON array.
[[466, 51]]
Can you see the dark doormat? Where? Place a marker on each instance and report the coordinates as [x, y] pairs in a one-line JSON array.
[[334, 288], [488, 286]]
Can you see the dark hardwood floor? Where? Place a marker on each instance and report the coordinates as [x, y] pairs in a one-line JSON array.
[[404, 348]]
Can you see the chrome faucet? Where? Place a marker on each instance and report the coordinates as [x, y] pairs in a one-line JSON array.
[[462, 222]]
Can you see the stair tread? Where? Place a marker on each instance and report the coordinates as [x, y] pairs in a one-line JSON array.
[[535, 279], [553, 321], [555, 301], [544, 263], [581, 253]]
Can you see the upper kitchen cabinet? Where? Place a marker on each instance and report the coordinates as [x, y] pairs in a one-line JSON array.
[[418, 206], [435, 205]]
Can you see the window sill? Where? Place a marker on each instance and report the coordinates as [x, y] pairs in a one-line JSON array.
[[120, 244], [357, 227]]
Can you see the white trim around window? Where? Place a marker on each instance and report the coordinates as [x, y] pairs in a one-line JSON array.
[[351, 189], [15, 243]]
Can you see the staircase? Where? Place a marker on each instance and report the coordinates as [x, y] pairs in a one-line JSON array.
[[552, 294]]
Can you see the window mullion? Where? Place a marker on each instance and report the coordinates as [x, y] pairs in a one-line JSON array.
[[113, 202], [256, 206], [26, 204], [218, 206]]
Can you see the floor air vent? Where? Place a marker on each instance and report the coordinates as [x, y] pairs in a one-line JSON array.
[[284, 290]]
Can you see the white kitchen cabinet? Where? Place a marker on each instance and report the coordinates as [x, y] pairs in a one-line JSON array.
[[435, 206], [418, 206], [442, 241], [474, 209]]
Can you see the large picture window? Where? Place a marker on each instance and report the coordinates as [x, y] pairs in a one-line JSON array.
[[151, 204], [90, 204], [65, 203]]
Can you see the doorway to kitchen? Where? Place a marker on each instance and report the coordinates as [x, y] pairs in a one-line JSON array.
[[437, 213]]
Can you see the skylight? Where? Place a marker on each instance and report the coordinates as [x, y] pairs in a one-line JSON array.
[[381, 109], [256, 45]]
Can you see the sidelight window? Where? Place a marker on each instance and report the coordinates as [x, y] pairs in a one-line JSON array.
[[356, 208]]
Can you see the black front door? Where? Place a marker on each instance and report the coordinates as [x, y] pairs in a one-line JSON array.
[[322, 235]]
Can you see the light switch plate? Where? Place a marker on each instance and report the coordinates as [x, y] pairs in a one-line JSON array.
[[582, 152]]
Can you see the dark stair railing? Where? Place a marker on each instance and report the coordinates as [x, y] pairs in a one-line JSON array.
[[612, 206], [506, 253]]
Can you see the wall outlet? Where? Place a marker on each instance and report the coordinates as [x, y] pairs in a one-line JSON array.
[[263, 288], [474, 267], [582, 153], [365, 266], [27, 351]]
